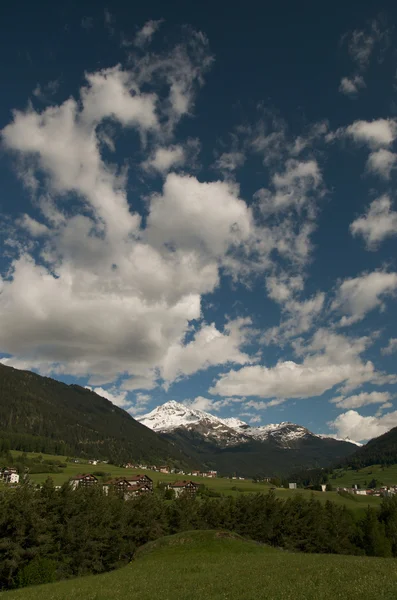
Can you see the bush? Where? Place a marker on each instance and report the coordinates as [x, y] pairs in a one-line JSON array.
[[39, 570]]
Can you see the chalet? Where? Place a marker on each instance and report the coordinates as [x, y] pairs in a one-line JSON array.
[[120, 484], [164, 469], [183, 487], [93, 461], [211, 474], [129, 466], [9, 475], [195, 473], [142, 479], [84, 480], [137, 490]]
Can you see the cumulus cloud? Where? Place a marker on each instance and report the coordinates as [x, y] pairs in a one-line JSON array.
[[377, 224], [379, 133], [357, 296], [357, 427], [107, 297], [116, 397], [382, 162], [350, 86], [208, 347], [362, 399], [203, 217], [330, 360]]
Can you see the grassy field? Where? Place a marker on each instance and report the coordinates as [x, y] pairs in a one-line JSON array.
[[348, 477], [222, 485], [217, 565]]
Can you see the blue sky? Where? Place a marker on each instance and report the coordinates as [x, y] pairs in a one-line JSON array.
[[199, 205]]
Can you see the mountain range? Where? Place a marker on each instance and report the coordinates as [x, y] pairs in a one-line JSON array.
[[232, 446]]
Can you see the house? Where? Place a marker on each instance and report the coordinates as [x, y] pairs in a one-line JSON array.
[[209, 474], [9, 475], [323, 487], [93, 461], [164, 469], [129, 466], [292, 486], [196, 473], [137, 490], [119, 484], [142, 479], [84, 480], [183, 487]]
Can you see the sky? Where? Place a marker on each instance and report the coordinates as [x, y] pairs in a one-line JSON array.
[[198, 204]]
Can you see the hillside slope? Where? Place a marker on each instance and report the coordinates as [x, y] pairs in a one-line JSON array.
[[39, 413], [232, 446], [215, 564], [378, 451]]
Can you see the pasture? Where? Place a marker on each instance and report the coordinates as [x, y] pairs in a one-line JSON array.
[[219, 565]]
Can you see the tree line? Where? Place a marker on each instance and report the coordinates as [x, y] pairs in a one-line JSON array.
[[50, 534]]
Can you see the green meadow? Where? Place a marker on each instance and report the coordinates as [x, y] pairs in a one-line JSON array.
[[387, 475], [218, 565], [221, 485]]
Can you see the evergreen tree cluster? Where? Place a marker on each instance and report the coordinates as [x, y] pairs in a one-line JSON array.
[[379, 451], [51, 534]]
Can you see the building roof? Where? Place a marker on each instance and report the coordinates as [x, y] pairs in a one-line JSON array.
[[183, 483], [83, 476]]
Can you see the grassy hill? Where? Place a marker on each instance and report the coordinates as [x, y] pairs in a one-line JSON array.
[[347, 477], [39, 413], [219, 565]]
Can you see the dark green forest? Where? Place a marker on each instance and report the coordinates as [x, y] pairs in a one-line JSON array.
[[379, 451], [43, 415], [50, 534]]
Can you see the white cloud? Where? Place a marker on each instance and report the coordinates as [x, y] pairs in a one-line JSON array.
[[293, 188], [350, 86], [203, 217], [208, 347], [140, 404], [163, 159], [117, 397], [330, 360], [35, 228], [362, 399], [357, 296], [377, 134], [145, 34], [230, 161], [377, 224], [356, 427], [391, 346], [382, 162]]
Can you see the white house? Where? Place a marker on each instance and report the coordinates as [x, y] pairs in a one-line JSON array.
[[13, 478]]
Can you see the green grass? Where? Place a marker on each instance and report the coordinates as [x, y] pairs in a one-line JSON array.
[[217, 565], [348, 477], [219, 484]]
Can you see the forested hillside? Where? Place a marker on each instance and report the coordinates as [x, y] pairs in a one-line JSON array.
[[379, 451], [41, 414]]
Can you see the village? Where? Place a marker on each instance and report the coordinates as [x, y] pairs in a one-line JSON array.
[[141, 484]]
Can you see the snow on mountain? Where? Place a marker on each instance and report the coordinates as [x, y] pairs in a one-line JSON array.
[[231, 431], [340, 439]]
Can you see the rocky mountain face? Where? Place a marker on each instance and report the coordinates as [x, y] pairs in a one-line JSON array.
[[232, 446]]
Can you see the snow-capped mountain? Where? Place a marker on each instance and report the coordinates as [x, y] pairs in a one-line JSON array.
[[233, 446], [226, 432]]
